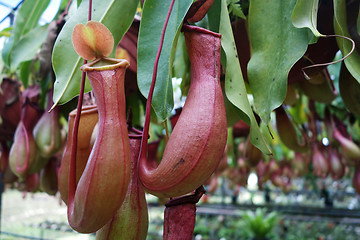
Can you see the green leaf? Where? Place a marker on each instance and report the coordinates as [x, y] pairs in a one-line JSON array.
[[214, 17], [305, 15], [25, 69], [152, 21], [117, 15], [352, 62], [28, 46], [233, 114], [6, 32], [63, 5], [2, 75], [276, 47], [350, 91], [181, 66], [6, 50], [235, 9], [28, 17], [234, 82]]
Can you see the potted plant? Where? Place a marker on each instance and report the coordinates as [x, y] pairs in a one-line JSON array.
[[260, 224]]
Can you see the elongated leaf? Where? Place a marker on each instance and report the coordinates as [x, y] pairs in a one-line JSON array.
[[234, 82], [152, 21], [349, 90], [352, 62], [305, 15], [28, 17], [6, 50], [6, 32], [25, 68], [276, 46], [181, 66], [233, 113], [28, 46], [117, 15]]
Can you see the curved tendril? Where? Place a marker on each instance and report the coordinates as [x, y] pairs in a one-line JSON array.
[[329, 63]]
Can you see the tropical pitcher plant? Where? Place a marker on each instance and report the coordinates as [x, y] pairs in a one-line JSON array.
[[105, 188], [260, 97]]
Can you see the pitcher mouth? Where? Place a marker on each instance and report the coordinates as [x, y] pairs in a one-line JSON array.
[[101, 64], [85, 110]]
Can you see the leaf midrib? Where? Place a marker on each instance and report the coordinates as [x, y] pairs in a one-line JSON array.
[[30, 23]]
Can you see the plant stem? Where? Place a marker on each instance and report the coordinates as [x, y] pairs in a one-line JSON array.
[[90, 7], [72, 173]]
